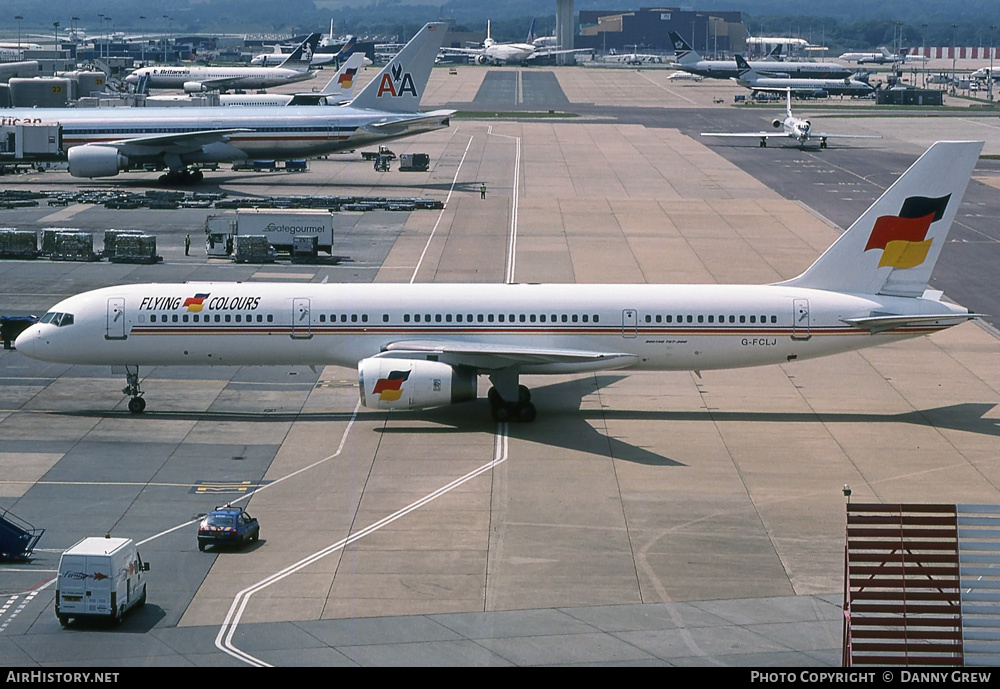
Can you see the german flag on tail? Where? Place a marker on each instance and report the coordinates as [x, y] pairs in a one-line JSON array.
[[903, 238]]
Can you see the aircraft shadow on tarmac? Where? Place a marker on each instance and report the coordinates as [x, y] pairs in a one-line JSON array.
[[564, 422]]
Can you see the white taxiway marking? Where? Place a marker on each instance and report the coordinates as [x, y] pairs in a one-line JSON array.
[[224, 639], [441, 214]]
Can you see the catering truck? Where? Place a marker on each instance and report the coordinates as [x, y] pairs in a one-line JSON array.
[[280, 229], [100, 577]]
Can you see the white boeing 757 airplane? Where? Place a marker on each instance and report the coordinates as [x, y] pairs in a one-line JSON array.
[[424, 345]]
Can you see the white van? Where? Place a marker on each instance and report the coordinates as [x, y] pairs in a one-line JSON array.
[[100, 577]]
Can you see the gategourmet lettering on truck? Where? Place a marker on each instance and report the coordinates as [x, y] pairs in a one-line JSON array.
[[294, 229]]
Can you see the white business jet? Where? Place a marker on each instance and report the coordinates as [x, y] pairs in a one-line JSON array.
[[792, 127]]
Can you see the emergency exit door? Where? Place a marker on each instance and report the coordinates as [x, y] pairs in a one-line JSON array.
[[630, 323]]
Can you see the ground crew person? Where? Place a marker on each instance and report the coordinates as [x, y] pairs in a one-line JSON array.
[[187, 245], [482, 190]]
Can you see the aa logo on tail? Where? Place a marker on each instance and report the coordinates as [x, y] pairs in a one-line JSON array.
[[902, 238], [397, 83], [390, 389]]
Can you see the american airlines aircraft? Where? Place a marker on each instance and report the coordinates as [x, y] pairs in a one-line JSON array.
[[424, 345], [791, 127], [197, 79], [101, 142]]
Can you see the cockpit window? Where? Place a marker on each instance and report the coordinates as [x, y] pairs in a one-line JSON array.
[[57, 319]]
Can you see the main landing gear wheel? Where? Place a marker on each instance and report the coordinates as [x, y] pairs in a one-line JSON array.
[[137, 404], [522, 410], [185, 176]]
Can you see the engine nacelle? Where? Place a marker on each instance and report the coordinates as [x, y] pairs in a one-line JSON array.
[[776, 123], [480, 59], [388, 383], [95, 161], [194, 87]]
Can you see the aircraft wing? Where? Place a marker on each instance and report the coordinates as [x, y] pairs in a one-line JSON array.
[[824, 135], [411, 125], [753, 135], [490, 357], [545, 52], [220, 84], [173, 143]]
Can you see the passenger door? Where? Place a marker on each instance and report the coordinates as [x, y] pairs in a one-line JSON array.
[[116, 319]]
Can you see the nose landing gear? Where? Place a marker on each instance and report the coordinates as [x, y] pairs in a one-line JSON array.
[[137, 404]]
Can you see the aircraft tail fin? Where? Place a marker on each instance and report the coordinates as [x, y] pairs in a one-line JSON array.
[[347, 49], [684, 54], [300, 57], [743, 68], [788, 102], [341, 86], [531, 32], [892, 248], [401, 83]]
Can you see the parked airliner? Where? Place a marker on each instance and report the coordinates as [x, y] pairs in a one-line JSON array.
[[293, 69], [101, 142], [814, 88], [791, 127], [424, 345], [685, 58]]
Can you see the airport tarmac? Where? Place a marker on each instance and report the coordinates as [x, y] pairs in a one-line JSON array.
[[661, 519]]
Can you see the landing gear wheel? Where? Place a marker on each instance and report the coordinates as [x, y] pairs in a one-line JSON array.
[[501, 413], [822, 143], [494, 397], [137, 404], [763, 143], [525, 412], [523, 394]]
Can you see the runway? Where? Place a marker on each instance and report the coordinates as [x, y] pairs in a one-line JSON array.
[[668, 519]]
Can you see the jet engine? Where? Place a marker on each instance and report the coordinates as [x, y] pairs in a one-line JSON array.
[[194, 87], [388, 383], [480, 59], [776, 123], [95, 161]]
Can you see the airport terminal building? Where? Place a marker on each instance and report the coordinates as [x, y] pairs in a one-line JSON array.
[[646, 29]]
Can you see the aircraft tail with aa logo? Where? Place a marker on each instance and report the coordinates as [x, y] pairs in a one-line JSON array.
[[401, 83], [892, 248]]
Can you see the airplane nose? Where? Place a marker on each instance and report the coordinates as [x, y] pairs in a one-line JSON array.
[[26, 341], [132, 79]]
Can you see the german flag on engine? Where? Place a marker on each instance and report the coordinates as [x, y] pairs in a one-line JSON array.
[[390, 388], [902, 238]]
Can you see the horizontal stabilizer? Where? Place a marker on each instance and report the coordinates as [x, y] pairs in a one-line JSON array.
[[880, 324]]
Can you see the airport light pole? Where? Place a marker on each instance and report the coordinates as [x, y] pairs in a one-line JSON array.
[[55, 35], [989, 77], [143, 25], [954, 54], [171, 21], [18, 19], [923, 51]]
